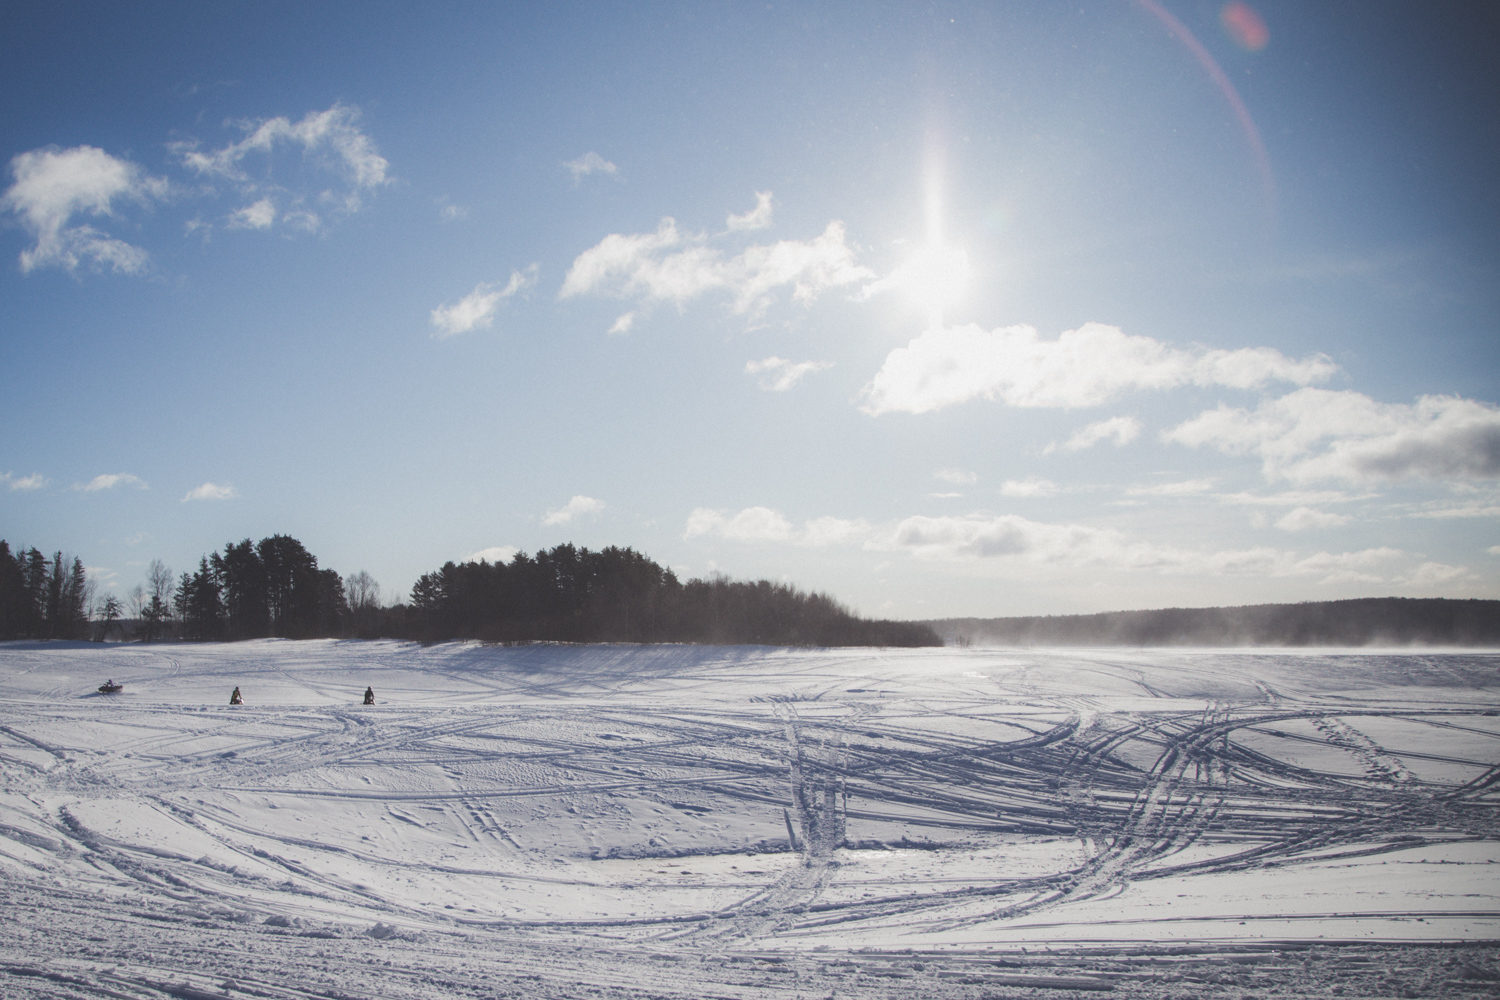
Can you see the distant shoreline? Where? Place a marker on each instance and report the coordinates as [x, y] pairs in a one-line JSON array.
[[1371, 621]]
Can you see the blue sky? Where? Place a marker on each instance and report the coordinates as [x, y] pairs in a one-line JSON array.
[[944, 309]]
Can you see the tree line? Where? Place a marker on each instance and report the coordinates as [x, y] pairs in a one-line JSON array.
[[275, 588]]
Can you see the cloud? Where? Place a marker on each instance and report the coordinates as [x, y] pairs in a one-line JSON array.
[[257, 216], [330, 138], [1434, 574], [330, 141], [1493, 550], [53, 185], [109, 481], [1183, 488], [493, 554], [1084, 367], [762, 524], [476, 310], [622, 325], [779, 374], [211, 491], [1316, 434], [1031, 486], [758, 217], [1120, 430], [1008, 536], [453, 213], [589, 163], [23, 484], [1290, 498], [958, 477], [576, 507], [1445, 511], [668, 266], [1303, 518]]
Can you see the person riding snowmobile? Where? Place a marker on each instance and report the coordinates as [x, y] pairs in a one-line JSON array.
[[235, 698], [369, 696]]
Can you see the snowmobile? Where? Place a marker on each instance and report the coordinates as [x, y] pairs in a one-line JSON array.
[[369, 696], [110, 687], [235, 698]]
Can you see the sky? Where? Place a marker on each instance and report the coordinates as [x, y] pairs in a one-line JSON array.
[[942, 309]]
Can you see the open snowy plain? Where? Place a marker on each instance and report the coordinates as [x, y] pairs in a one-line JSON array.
[[685, 821]]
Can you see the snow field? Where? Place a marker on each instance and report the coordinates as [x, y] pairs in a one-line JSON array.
[[663, 805]]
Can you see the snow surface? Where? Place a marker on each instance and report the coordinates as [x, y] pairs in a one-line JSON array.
[[643, 818]]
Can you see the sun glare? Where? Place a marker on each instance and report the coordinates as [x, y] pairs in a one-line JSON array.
[[934, 278]]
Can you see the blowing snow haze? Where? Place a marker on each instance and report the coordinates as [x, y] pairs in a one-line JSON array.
[[944, 310]]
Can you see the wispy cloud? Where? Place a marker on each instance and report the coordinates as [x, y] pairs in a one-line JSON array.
[[1307, 518], [211, 491], [1120, 430], [1181, 488], [493, 554], [23, 484], [1084, 367], [1008, 536], [1316, 434], [779, 374], [589, 163], [1031, 486], [575, 508], [329, 140], [758, 217], [109, 481], [957, 477], [476, 311], [762, 524], [257, 216], [669, 266], [53, 185]]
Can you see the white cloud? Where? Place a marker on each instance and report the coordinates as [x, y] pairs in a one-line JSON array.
[[1314, 434], [1183, 488], [53, 185], [958, 477], [477, 309], [257, 216], [779, 374], [668, 266], [1008, 536], [1493, 550], [1031, 486], [576, 507], [453, 213], [109, 481], [762, 524], [1433, 574], [1120, 430], [1290, 498], [493, 554], [211, 491], [330, 138], [945, 496], [1445, 511], [1303, 518], [758, 217], [1084, 367], [589, 163], [23, 484], [622, 325]]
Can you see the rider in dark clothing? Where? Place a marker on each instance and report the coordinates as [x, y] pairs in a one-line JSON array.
[[369, 696], [235, 698]]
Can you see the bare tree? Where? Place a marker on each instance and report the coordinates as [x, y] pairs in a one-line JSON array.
[[362, 592]]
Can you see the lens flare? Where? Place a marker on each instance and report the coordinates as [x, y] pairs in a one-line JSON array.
[[1245, 26]]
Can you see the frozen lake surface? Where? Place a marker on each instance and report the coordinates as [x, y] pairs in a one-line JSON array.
[[633, 821]]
